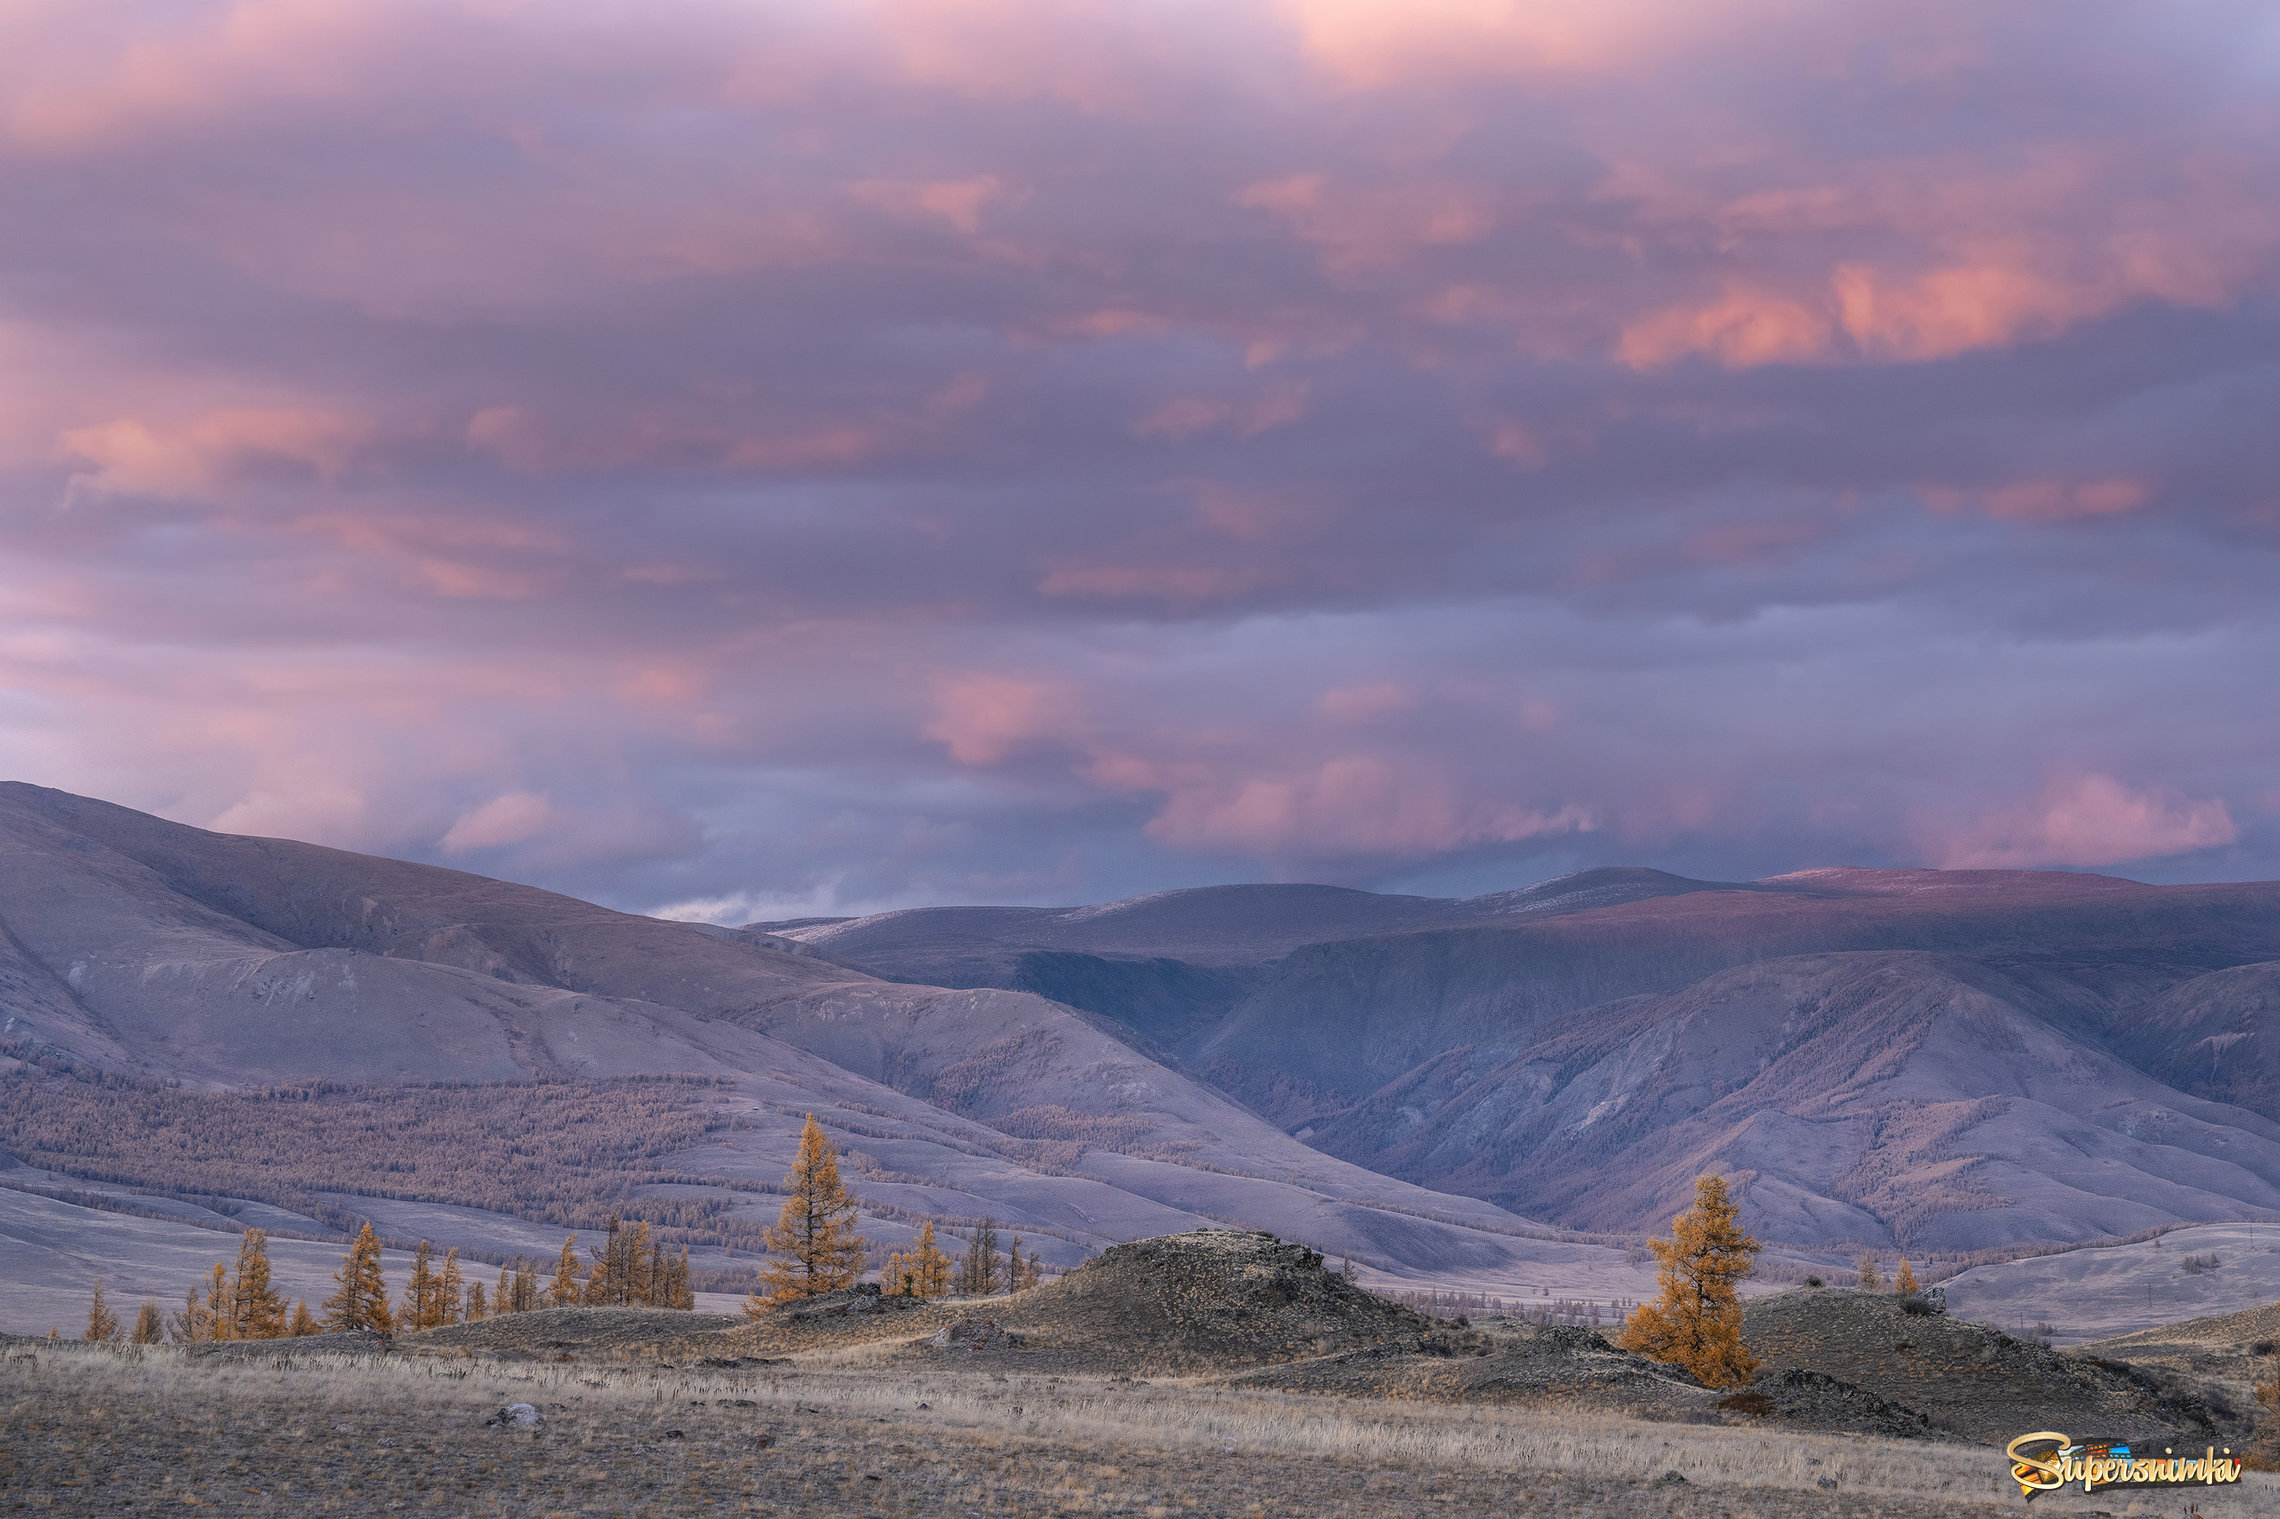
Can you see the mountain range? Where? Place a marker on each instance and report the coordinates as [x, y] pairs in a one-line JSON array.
[[1953, 1060], [1480, 1089]]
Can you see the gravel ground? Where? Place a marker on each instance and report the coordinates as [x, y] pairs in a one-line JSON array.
[[1183, 1376], [98, 1431]]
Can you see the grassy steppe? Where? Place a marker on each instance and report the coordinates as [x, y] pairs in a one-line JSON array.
[[99, 1430]]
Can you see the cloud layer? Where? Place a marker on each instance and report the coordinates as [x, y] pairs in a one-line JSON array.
[[807, 457]]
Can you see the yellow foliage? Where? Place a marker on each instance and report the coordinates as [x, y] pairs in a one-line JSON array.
[[1697, 1323], [102, 1323], [565, 1292], [150, 1326], [1905, 1282], [256, 1311], [923, 1271], [813, 1247], [361, 1302]]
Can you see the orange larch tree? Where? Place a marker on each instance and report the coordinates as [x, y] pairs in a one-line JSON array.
[[921, 1271], [361, 1301], [256, 1309], [813, 1248], [1698, 1322]]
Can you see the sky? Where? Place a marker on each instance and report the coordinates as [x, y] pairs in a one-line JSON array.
[[756, 458]]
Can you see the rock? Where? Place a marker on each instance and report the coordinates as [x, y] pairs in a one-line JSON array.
[[862, 1298], [974, 1334], [1670, 1479], [514, 1416]]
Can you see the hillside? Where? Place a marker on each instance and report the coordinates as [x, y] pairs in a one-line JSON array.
[[1942, 1060], [193, 970]]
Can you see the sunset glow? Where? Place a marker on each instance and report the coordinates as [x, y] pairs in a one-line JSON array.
[[757, 459]]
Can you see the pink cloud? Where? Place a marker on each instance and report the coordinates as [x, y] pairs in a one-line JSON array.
[[2045, 500], [2094, 820], [1352, 804], [196, 457], [1373, 222], [1954, 310], [1373, 44], [983, 718], [92, 80], [1271, 416], [1740, 329], [958, 202], [508, 819]]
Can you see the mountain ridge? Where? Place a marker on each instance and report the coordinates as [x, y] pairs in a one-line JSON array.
[[1411, 1044], [152, 949]]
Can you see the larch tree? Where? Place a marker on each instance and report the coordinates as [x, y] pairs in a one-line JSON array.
[[503, 1296], [631, 1271], [1871, 1278], [1697, 1323], [102, 1323], [978, 1267], [450, 1287], [921, 1271], [601, 1287], [304, 1323], [812, 1247], [193, 1324], [257, 1311], [564, 1291], [420, 1291], [673, 1280], [933, 1264], [622, 1265], [1904, 1281], [221, 1303], [361, 1300], [477, 1309], [150, 1325], [640, 1280]]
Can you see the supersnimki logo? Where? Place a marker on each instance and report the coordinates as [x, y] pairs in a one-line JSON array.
[[2046, 1461]]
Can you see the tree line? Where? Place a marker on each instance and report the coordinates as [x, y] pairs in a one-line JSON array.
[[813, 1247], [627, 1269]]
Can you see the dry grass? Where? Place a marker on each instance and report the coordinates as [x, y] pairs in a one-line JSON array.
[[91, 1430]]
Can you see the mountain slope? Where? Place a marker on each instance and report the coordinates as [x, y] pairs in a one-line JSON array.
[[1951, 1059], [1886, 1097], [154, 950]]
